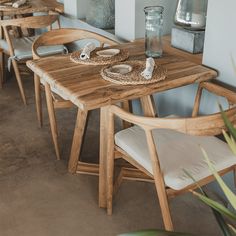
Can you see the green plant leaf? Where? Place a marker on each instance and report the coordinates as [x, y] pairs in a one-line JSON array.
[[228, 193], [230, 141], [227, 122], [219, 217], [154, 232], [220, 220], [192, 178], [232, 228], [215, 205], [222, 223]]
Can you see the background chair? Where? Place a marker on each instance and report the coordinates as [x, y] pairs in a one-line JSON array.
[[162, 148], [59, 36], [19, 49]]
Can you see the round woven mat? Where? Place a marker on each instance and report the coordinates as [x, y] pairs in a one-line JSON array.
[[134, 77], [98, 60], [4, 6]]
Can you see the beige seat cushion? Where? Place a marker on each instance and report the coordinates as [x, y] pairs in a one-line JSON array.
[[177, 152], [23, 48]]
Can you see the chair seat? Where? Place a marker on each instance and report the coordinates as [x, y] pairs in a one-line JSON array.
[[23, 48], [177, 152]]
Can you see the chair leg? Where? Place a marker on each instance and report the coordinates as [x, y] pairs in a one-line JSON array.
[[38, 100], [234, 176], [52, 119], [18, 78], [110, 163], [2, 68], [163, 200], [159, 181]]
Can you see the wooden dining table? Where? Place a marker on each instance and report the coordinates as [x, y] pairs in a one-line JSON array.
[[86, 89]]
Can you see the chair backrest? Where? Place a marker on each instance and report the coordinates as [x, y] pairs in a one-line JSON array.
[[33, 22], [197, 125], [66, 36]]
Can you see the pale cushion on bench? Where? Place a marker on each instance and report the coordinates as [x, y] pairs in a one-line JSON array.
[[177, 152], [23, 48]]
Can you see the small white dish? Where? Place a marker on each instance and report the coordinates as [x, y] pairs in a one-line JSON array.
[[121, 69], [108, 52]]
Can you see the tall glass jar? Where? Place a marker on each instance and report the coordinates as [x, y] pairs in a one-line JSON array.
[[191, 14], [153, 33]]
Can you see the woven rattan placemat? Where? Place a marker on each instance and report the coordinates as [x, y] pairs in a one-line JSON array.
[[98, 60], [134, 77]]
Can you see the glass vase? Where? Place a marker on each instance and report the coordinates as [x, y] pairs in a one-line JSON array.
[[191, 14], [153, 32]]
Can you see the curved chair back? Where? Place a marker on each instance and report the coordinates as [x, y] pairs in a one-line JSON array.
[[33, 22], [205, 125], [67, 35]]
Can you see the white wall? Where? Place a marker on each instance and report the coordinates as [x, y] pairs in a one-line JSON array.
[[130, 18], [76, 8], [220, 47], [220, 42], [125, 19]]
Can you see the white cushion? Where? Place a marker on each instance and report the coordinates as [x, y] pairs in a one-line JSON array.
[[23, 48], [176, 152]]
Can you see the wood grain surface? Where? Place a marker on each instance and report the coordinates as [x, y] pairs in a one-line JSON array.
[[83, 85]]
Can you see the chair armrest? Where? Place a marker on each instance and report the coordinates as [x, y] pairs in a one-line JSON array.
[[220, 90], [200, 125]]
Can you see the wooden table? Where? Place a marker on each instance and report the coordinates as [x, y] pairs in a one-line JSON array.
[[84, 87]]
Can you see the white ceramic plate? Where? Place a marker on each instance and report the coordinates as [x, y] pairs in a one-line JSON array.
[[121, 69], [108, 52]]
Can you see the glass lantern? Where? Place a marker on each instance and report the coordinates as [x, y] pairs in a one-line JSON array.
[[153, 32], [191, 14]]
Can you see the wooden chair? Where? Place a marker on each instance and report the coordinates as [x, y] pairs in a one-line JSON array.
[[55, 37], [162, 148], [19, 49], [1, 72]]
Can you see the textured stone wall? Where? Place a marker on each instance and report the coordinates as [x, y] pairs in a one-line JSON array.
[[101, 13]]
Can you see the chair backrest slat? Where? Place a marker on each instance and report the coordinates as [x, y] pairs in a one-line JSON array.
[[65, 36], [34, 22], [200, 125]]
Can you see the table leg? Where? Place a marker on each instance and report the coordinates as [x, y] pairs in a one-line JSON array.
[[103, 157], [77, 140], [52, 119], [149, 110], [148, 106], [127, 106]]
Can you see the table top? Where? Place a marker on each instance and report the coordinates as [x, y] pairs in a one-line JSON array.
[[84, 86], [35, 6]]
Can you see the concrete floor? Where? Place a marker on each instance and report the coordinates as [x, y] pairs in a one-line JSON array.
[[38, 197]]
